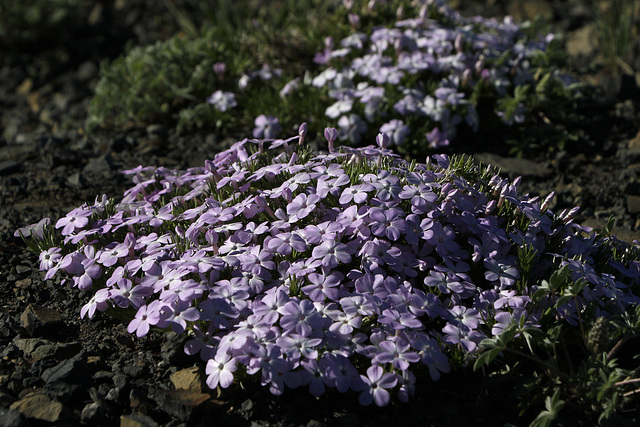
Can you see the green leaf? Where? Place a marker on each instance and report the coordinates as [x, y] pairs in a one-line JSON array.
[[486, 357], [546, 417]]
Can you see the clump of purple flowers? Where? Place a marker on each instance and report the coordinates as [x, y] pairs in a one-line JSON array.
[[348, 270], [420, 78]]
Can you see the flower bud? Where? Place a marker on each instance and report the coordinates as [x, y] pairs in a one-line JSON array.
[[383, 140], [302, 132]]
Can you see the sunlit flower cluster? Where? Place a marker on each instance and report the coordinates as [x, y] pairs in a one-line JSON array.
[[348, 270]]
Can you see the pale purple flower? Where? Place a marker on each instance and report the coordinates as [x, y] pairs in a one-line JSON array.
[[387, 223], [397, 131], [222, 101], [504, 273], [266, 127], [301, 317], [285, 242], [352, 127], [220, 371], [302, 205], [146, 316], [376, 383], [49, 257], [437, 138], [332, 253], [75, 220]]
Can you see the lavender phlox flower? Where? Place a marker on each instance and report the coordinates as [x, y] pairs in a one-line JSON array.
[[407, 383], [332, 253], [110, 256], [420, 303], [204, 342], [284, 243], [331, 186], [99, 301], [302, 205], [397, 131], [383, 140], [324, 78], [220, 370], [91, 271], [388, 185], [331, 134], [410, 103], [323, 286], [437, 138], [290, 87], [237, 295], [387, 223], [352, 127], [509, 298], [469, 317], [34, 230], [377, 382], [125, 294], [177, 314], [340, 373], [399, 320], [266, 358], [444, 282], [236, 340], [255, 324], [505, 318], [222, 100], [266, 127], [184, 290], [363, 305], [356, 193], [218, 311], [367, 65], [49, 257], [502, 271], [146, 316], [344, 323], [301, 317], [461, 334], [397, 352], [430, 353], [422, 197], [313, 375], [327, 230], [339, 108], [75, 220], [297, 346]]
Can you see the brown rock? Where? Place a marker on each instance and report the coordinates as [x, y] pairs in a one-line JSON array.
[[582, 42], [137, 421], [530, 10], [633, 204], [40, 407], [188, 379], [39, 319], [634, 144]]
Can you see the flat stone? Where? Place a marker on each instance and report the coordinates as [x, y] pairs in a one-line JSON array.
[[633, 204], [530, 10], [580, 42], [188, 379], [38, 319], [40, 407], [137, 421], [9, 166]]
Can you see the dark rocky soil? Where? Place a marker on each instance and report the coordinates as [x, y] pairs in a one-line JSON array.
[[56, 369]]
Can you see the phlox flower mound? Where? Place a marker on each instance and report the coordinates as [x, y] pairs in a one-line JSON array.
[[351, 269]]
